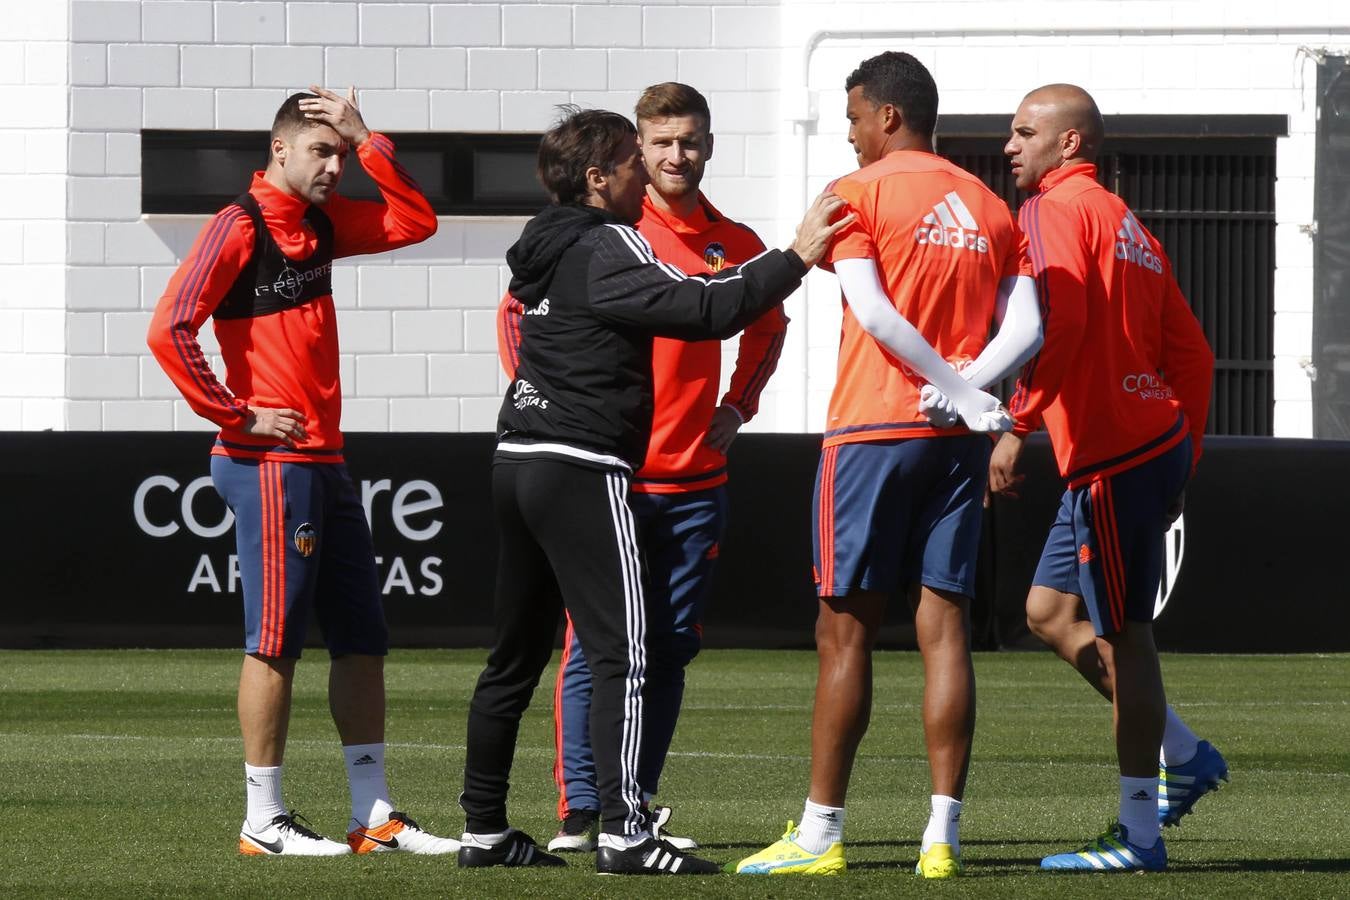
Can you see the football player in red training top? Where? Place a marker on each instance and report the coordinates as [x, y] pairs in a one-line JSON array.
[[1122, 385], [679, 495], [261, 269], [933, 260]]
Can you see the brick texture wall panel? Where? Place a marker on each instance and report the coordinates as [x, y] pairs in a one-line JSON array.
[[428, 331], [607, 26], [536, 26], [321, 23], [179, 108], [287, 67], [432, 67], [574, 70], [395, 25], [439, 414], [396, 110], [89, 64], [247, 110], [177, 22], [105, 20], [465, 287], [464, 375], [635, 69], [466, 110], [251, 23], [143, 64], [466, 25], [365, 67]]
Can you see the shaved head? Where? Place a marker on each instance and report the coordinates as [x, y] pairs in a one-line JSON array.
[[1070, 107], [1056, 125]]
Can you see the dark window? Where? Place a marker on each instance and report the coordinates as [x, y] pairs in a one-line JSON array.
[[1205, 187], [461, 174]]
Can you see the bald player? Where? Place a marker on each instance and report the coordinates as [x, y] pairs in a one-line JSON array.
[[1122, 384]]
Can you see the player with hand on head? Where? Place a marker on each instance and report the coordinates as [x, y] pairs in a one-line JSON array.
[[262, 270], [1125, 442], [679, 494], [932, 261]]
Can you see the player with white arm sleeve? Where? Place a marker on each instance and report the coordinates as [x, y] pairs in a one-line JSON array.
[[899, 500]]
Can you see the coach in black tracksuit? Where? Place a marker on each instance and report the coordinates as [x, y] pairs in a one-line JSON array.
[[573, 427]]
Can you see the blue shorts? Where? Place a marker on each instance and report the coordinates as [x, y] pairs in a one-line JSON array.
[[1107, 544], [890, 513], [303, 542]]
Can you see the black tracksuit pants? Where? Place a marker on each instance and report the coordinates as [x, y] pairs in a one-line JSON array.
[[566, 535]]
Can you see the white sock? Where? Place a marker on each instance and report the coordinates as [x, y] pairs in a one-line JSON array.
[[262, 788], [365, 778], [484, 839], [1179, 742], [622, 841], [1139, 810], [820, 827], [944, 824]]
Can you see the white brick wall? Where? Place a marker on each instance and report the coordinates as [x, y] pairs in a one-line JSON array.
[[35, 135], [78, 82]]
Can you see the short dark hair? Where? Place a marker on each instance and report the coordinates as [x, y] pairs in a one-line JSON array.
[[902, 81], [289, 118], [581, 138], [671, 98]]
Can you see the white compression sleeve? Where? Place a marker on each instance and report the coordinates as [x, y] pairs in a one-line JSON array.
[[879, 318], [1019, 333]]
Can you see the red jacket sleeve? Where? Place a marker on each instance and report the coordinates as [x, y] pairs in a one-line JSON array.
[[1060, 261], [1187, 361], [403, 217], [201, 282], [509, 314], [757, 354]]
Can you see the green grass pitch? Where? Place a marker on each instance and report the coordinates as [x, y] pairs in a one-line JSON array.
[[120, 775]]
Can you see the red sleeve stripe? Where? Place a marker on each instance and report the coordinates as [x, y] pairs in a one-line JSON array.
[[749, 399], [271, 636], [385, 147], [559, 775], [1108, 542], [189, 292], [825, 522], [512, 311]]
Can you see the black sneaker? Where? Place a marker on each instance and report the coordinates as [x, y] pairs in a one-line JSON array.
[[657, 817], [577, 834], [518, 849], [651, 857]]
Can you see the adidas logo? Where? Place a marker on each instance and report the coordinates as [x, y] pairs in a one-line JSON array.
[[249, 780], [1133, 245], [364, 760], [1140, 795], [1085, 555], [950, 224]]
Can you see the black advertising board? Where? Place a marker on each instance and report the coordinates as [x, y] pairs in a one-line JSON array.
[[119, 539]]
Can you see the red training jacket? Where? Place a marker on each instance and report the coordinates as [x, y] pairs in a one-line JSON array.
[[1125, 371], [288, 359]]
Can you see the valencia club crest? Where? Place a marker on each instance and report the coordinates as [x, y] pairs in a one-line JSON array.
[[715, 257], [305, 539]]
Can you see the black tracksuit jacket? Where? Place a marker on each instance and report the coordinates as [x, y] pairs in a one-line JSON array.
[[595, 296]]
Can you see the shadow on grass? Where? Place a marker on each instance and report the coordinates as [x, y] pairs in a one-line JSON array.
[[740, 845], [1263, 865]]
